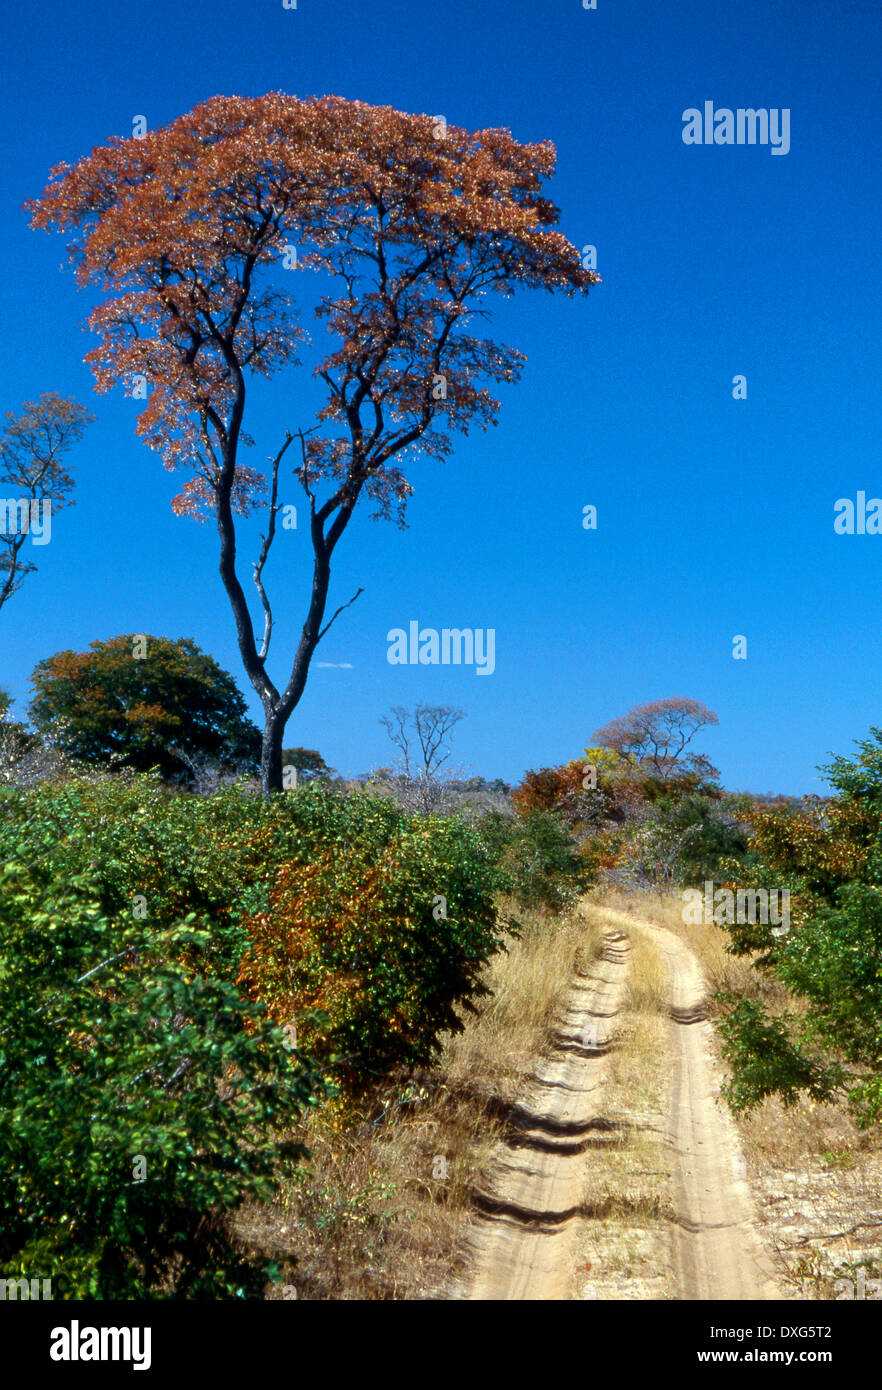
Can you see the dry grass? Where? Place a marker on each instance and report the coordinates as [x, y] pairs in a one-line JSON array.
[[377, 1211], [528, 984], [725, 973]]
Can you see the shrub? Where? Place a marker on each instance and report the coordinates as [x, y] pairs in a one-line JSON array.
[[829, 854], [384, 926], [111, 1048], [333, 897], [538, 856]]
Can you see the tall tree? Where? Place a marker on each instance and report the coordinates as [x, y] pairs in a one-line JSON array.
[[656, 737], [32, 445], [410, 221], [140, 701]]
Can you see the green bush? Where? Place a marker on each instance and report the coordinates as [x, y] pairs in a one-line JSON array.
[[538, 857], [829, 857], [111, 1048], [239, 866]]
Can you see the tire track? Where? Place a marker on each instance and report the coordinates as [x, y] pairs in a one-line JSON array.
[[716, 1248], [519, 1242]]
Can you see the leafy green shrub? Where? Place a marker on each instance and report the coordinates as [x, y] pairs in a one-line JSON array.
[[153, 852], [112, 1048], [829, 856], [240, 865], [538, 856]]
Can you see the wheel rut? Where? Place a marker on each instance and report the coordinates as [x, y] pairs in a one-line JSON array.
[[526, 1210], [717, 1250]]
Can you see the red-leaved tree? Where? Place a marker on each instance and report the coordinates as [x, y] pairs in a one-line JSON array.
[[411, 223], [656, 736]]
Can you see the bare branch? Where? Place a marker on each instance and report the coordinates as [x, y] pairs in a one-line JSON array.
[[337, 614]]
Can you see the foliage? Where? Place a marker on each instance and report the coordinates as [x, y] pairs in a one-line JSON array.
[[539, 857], [558, 789], [829, 854], [714, 829], [32, 446], [168, 854], [646, 821], [186, 232], [655, 737], [308, 762], [652, 853], [385, 930], [139, 701], [332, 897], [113, 1050]]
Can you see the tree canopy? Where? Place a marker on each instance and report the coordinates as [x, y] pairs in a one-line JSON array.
[[411, 222], [657, 735], [139, 701], [32, 445]]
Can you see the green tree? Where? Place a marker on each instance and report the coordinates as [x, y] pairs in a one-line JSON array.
[[308, 763], [829, 855], [140, 701]]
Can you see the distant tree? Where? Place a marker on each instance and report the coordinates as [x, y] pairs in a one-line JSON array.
[[413, 224], [140, 701], [31, 448], [308, 763], [598, 790], [655, 737], [421, 737]]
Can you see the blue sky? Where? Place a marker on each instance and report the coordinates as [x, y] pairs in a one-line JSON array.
[[715, 516]]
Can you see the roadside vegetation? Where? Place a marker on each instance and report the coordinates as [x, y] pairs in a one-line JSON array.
[[263, 1047]]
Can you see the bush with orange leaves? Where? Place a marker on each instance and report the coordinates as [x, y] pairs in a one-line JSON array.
[[369, 947]]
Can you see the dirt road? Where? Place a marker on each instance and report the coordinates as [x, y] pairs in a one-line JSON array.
[[717, 1251], [520, 1241]]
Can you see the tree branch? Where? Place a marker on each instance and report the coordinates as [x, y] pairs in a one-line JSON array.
[[336, 615]]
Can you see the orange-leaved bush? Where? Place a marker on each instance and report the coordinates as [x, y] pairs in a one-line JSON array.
[[370, 949]]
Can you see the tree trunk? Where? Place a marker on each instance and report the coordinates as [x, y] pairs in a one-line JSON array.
[[271, 753]]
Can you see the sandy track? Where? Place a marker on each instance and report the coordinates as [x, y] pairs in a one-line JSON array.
[[519, 1242], [717, 1251]]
